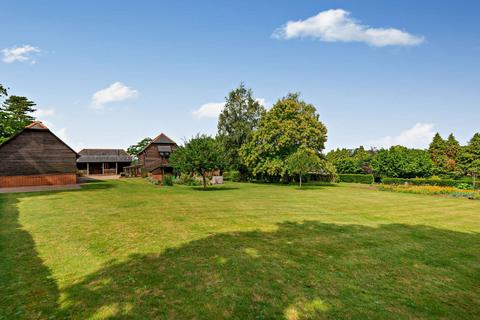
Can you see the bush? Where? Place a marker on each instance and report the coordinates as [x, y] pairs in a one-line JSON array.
[[153, 181], [188, 180], [356, 178], [167, 180], [423, 182], [231, 176]]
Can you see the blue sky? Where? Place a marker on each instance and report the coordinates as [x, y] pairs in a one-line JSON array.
[[108, 73]]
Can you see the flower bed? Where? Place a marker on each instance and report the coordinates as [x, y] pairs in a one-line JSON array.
[[432, 190]]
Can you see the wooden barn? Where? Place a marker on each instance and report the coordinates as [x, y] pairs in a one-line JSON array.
[[35, 156], [103, 161], [153, 159]]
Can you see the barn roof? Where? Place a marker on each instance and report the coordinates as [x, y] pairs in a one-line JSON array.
[[38, 126], [162, 138], [104, 155]]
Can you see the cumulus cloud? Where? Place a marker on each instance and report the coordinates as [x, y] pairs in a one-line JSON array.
[[337, 25], [213, 109], [24, 53], [419, 136], [115, 92]]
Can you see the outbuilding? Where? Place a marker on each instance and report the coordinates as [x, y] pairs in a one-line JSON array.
[[35, 156], [103, 161]]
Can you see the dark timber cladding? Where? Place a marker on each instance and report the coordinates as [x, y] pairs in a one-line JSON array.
[[36, 156], [103, 161], [153, 159]]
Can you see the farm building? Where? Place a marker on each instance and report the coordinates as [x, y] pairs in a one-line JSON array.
[[35, 156], [153, 159], [103, 161]]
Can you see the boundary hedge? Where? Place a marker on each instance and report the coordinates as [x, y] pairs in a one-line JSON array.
[[425, 182], [356, 178]]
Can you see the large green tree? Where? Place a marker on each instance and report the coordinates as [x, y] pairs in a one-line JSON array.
[[401, 162], [15, 114], [356, 160], [289, 124], [469, 159], [3, 91], [201, 155], [236, 124], [452, 151], [437, 150]]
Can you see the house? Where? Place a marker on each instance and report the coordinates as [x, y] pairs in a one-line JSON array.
[[153, 159], [103, 161], [35, 156]]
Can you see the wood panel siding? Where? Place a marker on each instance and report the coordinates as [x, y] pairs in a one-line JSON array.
[[37, 180], [36, 152]]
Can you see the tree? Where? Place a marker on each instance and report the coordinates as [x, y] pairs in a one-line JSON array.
[[201, 154], [452, 150], [289, 124], [401, 162], [437, 150], [135, 149], [3, 91], [236, 123], [14, 116], [469, 160], [305, 161]]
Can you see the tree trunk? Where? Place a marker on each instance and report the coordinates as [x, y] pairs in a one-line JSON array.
[[204, 181], [300, 180]]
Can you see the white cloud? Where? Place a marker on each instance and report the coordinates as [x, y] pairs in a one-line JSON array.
[[44, 112], [337, 25], [209, 110], [419, 136], [115, 92], [213, 109], [24, 53]]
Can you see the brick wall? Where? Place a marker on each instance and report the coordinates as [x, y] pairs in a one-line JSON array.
[[37, 180]]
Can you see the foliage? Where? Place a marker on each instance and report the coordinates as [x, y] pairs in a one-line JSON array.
[[135, 149], [236, 123], [153, 181], [186, 179], [423, 182], [3, 91], [469, 160], [401, 162], [167, 180], [452, 152], [357, 160], [201, 154], [356, 178], [232, 175], [437, 150], [432, 190], [14, 116], [301, 162], [289, 124]]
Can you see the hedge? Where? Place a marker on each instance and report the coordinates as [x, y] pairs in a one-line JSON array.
[[425, 182], [356, 178]]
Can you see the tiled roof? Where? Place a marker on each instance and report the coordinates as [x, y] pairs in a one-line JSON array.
[[104, 155]]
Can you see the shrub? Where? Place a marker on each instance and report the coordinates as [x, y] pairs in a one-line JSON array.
[[153, 181], [188, 180], [464, 186], [356, 178], [167, 180], [422, 182], [231, 176]]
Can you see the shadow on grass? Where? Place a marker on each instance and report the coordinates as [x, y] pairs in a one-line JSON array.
[[301, 271], [27, 288]]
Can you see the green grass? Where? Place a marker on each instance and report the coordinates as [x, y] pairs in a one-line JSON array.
[[130, 249]]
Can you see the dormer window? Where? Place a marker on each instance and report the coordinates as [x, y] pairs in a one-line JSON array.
[[165, 150]]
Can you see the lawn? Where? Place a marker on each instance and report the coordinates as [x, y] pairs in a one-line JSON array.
[[129, 249]]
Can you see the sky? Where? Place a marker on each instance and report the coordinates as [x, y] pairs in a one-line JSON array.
[[106, 74]]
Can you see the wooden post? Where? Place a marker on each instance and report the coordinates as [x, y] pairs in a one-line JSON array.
[[103, 168], [116, 167], [88, 168]]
